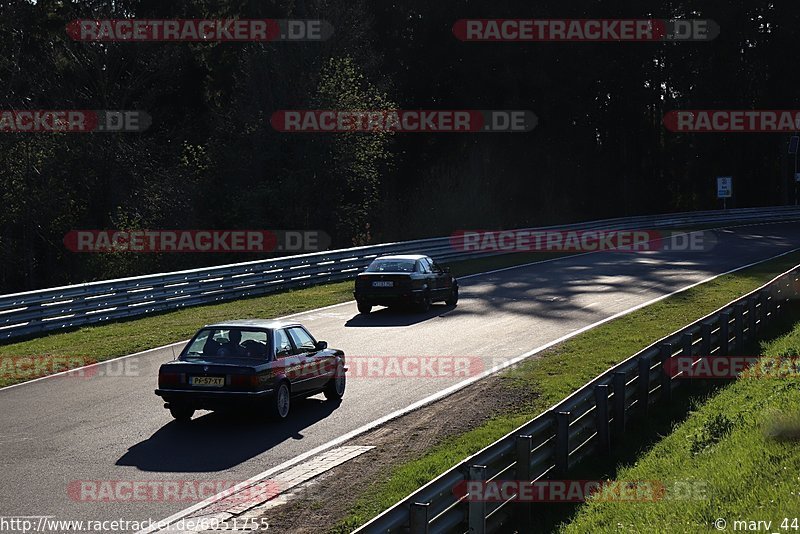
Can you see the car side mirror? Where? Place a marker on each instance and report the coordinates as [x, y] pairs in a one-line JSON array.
[[321, 345], [446, 270]]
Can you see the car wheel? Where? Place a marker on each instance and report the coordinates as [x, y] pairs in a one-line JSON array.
[[281, 401], [334, 390], [453, 299], [181, 413], [425, 305], [364, 308]]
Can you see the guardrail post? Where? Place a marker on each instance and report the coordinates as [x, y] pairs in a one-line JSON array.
[[601, 418], [705, 338], [724, 332], [738, 326], [769, 306], [666, 372], [644, 385], [477, 508], [751, 319], [778, 300], [418, 524], [522, 509], [619, 405], [686, 344], [686, 351], [562, 442]]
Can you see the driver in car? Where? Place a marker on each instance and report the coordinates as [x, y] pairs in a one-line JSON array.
[[232, 346]]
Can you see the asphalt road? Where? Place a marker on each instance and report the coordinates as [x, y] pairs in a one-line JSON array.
[[64, 429]]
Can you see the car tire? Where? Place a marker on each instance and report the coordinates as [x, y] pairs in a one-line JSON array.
[[280, 402], [334, 389], [425, 305], [181, 413], [364, 308], [453, 299]]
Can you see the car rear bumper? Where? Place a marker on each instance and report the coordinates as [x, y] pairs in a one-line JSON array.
[[211, 400], [408, 296]]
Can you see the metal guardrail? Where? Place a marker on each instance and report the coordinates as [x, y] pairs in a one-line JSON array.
[[590, 421], [35, 312]]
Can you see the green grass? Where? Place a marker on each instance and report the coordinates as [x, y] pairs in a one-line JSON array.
[[110, 340], [564, 369], [740, 451]]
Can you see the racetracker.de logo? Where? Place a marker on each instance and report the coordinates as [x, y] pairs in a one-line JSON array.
[[587, 30], [73, 121], [742, 121], [198, 30], [183, 491], [580, 241], [393, 367], [731, 367], [559, 491], [197, 240], [404, 121], [28, 367]]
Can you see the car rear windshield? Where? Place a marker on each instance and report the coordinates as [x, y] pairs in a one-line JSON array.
[[227, 343], [391, 266]]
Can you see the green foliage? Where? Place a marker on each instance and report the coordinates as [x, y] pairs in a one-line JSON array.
[[212, 160], [354, 161]]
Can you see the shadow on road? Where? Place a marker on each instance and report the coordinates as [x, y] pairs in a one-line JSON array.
[[399, 317], [219, 441]]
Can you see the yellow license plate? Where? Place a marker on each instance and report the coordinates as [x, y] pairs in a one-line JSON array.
[[208, 381]]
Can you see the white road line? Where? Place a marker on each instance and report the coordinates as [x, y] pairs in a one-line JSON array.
[[438, 396]]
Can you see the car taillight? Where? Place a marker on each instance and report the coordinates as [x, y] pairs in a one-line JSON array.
[[245, 381], [168, 379]]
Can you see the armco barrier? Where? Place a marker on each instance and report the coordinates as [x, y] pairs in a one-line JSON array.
[[590, 421], [34, 312]]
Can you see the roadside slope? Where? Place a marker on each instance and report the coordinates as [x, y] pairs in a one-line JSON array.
[[739, 449]]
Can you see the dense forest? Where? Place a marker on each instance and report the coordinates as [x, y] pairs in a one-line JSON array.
[[211, 159]]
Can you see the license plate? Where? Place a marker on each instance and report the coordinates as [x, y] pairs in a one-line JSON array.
[[207, 381], [382, 284]]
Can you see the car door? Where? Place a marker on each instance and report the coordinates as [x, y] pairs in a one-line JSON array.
[[288, 362], [435, 281], [317, 369], [424, 268], [443, 280]]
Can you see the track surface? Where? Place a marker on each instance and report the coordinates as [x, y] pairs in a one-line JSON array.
[[64, 429]]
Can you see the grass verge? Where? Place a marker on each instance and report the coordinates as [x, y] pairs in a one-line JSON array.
[[560, 371]]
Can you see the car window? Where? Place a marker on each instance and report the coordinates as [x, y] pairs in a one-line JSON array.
[[422, 267], [199, 341], [255, 344], [302, 340], [391, 266], [222, 343], [283, 347]]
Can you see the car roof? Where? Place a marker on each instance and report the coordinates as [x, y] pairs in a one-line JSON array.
[[266, 324], [402, 257]]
